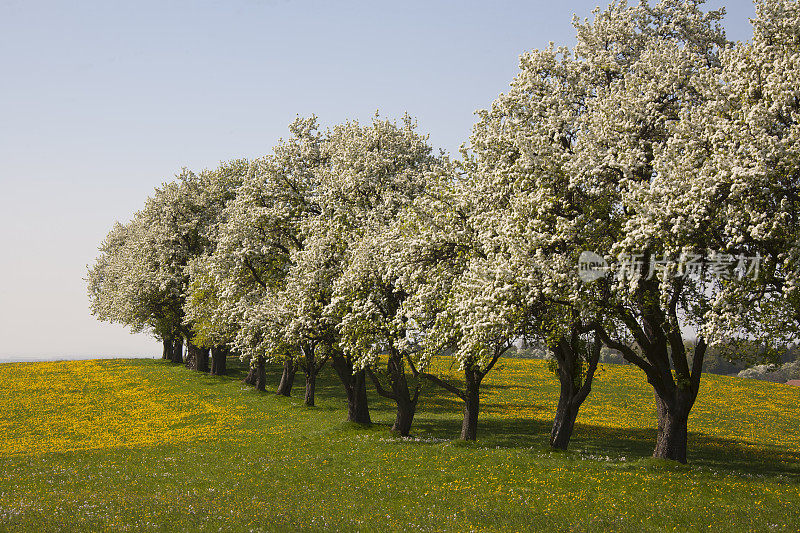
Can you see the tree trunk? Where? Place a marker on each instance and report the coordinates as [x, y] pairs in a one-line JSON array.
[[177, 351], [167, 353], [357, 408], [260, 375], [287, 378], [399, 393], [196, 357], [219, 360], [311, 386], [406, 404], [472, 388], [406, 409], [566, 412], [310, 369], [575, 386], [674, 375], [564, 421], [673, 427], [252, 374], [189, 360], [202, 359], [355, 386]]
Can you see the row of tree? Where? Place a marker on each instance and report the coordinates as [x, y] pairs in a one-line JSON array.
[[358, 246]]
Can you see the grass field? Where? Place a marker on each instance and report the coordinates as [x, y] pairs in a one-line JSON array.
[[145, 446]]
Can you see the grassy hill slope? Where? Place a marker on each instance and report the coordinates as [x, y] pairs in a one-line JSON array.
[[143, 446]]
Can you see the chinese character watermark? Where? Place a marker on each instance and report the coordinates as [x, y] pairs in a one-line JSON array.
[[592, 266]]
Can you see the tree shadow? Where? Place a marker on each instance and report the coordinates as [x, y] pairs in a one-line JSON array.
[[439, 419], [621, 445]]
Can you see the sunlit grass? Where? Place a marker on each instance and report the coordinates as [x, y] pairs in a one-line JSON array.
[[83, 405], [143, 445]]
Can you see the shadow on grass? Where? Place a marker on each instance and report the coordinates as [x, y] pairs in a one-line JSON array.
[[439, 419], [618, 445]]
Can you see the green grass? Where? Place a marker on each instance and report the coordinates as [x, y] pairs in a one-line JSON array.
[[147, 446]]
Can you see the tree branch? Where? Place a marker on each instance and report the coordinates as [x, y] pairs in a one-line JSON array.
[[627, 352], [382, 391], [255, 273], [444, 385], [594, 359], [697, 364]]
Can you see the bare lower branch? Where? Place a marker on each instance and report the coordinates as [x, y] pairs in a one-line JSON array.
[[445, 385], [379, 387]]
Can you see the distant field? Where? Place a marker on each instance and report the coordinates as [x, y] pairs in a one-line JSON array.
[[140, 445]]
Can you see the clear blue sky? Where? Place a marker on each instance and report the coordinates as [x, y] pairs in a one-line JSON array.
[[102, 101]]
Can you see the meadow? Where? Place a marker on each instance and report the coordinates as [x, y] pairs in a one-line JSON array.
[[142, 445]]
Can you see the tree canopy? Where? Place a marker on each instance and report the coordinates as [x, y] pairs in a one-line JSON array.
[[637, 192]]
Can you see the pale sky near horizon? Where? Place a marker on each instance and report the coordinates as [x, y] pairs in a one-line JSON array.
[[102, 101]]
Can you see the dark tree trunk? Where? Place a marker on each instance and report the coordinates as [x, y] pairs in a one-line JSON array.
[[673, 427], [674, 376], [674, 395], [674, 401], [196, 357], [472, 395], [189, 360], [260, 375], [219, 360], [202, 360], [355, 386], [287, 378], [357, 408], [177, 351], [399, 392], [406, 409], [250, 378], [564, 422], [310, 369], [311, 387], [167, 353], [575, 386], [406, 402]]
